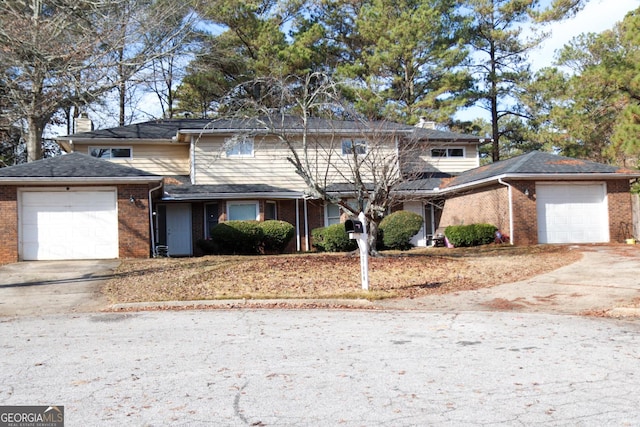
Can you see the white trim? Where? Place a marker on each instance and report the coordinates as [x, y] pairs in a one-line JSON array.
[[110, 148], [20, 208], [358, 143], [235, 141], [447, 149], [275, 209], [326, 213], [243, 202]]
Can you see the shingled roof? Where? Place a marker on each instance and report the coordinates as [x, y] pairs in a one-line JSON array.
[[540, 165], [229, 191], [167, 129], [74, 166]]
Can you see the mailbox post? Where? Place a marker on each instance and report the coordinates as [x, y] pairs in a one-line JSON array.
[[357, 230]]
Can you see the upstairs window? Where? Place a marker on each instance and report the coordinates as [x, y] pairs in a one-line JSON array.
[[239, 146], [349, 145], [110, 152], [447, 152]]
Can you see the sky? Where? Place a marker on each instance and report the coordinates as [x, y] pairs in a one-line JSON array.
[[597, 16]]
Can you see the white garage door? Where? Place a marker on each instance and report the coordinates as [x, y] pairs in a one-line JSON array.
[[575, 213], [57, 225]]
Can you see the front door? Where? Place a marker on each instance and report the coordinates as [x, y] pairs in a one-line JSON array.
[[179, 229], [420, 239]]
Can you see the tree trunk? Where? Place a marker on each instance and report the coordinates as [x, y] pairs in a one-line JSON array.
[[373, 238], [34, 139]]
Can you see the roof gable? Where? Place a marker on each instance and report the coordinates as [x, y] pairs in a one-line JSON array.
[[540, 165]]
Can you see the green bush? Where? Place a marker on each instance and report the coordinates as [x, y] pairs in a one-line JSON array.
[[470, 235], [276, 235], [332, 239], [236, 237], [397, 229]]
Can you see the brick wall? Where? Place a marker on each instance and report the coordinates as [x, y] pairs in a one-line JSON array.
[[620, 210], [8, 224], [489, 205], [525, 214], [133, 221], [286, 210]]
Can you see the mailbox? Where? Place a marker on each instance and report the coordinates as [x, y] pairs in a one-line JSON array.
[[353, 226]]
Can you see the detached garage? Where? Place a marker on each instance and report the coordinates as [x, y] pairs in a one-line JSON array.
[[75, 207]]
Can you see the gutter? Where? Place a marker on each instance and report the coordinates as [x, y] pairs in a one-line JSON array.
[[153, 234], [76, 180], [241, 196]]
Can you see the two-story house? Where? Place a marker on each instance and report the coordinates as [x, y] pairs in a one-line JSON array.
[[240, 169], [124, 191]]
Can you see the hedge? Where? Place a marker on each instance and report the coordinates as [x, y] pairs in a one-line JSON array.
[[397, 229], [247, 237], [276, 235], [470, 235], [332, 238]]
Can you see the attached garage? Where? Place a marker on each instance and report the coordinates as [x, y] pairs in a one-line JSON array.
[[75, 207], [68, 223], [572, 213]]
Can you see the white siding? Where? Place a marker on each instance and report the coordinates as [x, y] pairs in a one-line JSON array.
[[451, 164], [269, 164], [160, 159]]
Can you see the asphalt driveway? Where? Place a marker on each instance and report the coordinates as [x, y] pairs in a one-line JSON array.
[[53, 287]]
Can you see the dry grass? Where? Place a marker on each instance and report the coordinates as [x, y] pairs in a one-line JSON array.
[[321, 276]]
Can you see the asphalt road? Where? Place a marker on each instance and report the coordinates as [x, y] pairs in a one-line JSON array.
[[346, 368]]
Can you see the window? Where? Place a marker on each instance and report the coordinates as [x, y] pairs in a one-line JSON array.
[[349, 145], [110, 152], [239, 146], [243, 211], [270, 210], [447, 152], [332, 214]]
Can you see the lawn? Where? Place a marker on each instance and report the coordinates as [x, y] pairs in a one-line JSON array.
[[323, 276]]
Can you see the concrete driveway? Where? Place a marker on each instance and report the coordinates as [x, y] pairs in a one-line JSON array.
[[53, 287], [605, 281]]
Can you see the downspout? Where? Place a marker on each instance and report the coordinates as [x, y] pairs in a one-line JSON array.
[[510, 209], [298, 225], [192, 152], [306, 226], [153, 234]]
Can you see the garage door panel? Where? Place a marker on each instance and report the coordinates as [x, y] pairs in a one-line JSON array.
[[572, 213], [57, 225]]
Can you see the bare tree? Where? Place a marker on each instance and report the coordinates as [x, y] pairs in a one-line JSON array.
[[60, 54], [343, 158]]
